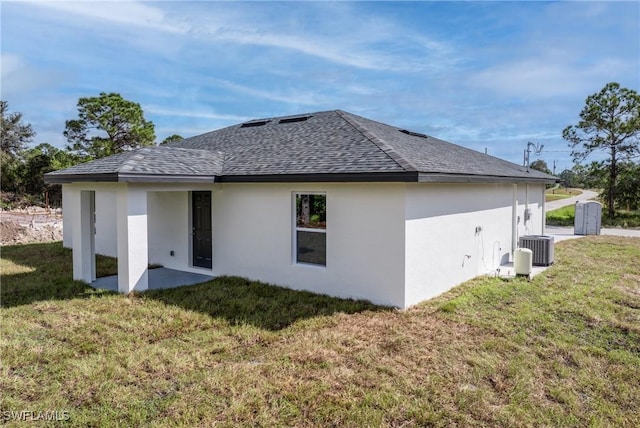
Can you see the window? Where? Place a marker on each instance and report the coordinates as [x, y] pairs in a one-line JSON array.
[[311, 228]]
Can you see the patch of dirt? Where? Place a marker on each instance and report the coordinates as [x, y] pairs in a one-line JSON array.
[[31, 225]]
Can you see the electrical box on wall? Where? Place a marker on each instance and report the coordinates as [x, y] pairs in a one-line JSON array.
[[527, 214]]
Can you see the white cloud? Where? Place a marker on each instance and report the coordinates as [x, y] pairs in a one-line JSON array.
[[118, 12], [153, 109], [545, 77], [291, 97], [19, 79], [477, 73], [370, 43], [10, 64], [336, 50]]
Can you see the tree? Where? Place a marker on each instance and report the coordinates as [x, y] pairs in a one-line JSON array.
[[106, 125], [14, 134], [171, 139], [38, 161], [610, 122], [590, 176], [568, 178], [628, 190], [540, 165]]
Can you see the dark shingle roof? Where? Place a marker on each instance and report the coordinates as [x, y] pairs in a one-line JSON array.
[[323, 146], [432, 155], [324, 143], [148, 162]]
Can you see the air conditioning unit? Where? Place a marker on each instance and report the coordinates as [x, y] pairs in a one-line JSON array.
[[541, 246]]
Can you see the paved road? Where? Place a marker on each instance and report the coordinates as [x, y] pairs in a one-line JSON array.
[[561, 233], [585, 195]]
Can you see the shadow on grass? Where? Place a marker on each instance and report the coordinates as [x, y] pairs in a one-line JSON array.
[[242, 301], [36, 272]]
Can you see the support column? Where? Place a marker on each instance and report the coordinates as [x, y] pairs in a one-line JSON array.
[[514, 219], [544, 210], [83, 236], [133, 250], [70, 210]]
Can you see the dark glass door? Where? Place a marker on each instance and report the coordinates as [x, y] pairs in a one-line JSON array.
[[201, 210]]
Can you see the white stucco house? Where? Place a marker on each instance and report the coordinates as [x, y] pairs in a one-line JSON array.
[[329, 202]]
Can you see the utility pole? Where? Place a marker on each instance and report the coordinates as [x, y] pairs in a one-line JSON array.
[[537, 148], [554, 167]]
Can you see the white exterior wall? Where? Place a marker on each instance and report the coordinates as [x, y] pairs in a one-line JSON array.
[[253, 237], [169, 225], [169, 229], [530, 196], [443, 248], [106, 223], [105, 220], [391, 243], [70, 208]]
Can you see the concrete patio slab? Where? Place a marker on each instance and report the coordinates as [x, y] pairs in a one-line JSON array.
[[508, 271], [559, 234], [159, 278]]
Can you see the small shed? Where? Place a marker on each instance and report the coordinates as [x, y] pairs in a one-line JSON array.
[[588, 218]]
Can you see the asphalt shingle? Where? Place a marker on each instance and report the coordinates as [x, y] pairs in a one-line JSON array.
[[152, 161], [329, 142]]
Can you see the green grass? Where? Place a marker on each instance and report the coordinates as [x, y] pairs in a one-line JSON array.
[[565, 216], [561, 350], [624, 218], [561, 193]]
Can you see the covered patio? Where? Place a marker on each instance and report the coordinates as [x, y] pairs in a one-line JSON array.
[[152, 206], [160, 278]]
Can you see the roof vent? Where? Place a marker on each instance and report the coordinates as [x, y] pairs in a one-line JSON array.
[[415, 134], [294, 119], [254, 123]]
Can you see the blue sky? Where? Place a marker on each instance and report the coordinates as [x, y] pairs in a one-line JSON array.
[[488, 75]]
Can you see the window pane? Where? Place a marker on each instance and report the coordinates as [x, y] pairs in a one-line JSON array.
[[311, 211], [312, 248]]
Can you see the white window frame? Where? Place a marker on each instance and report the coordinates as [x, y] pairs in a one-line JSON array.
[[294, 246]]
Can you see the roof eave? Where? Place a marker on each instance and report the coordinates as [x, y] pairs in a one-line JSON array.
[[404, 177], [425, 177], [409, 176], [108, 177], [119, 177]]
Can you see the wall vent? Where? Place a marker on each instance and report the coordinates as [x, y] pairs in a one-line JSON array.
[[541, 246]]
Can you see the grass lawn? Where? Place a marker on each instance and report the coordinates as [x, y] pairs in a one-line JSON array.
[[561, 350], [565, 216], [561, 193]]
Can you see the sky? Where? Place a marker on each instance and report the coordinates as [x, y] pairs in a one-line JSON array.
[[485, 75]]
